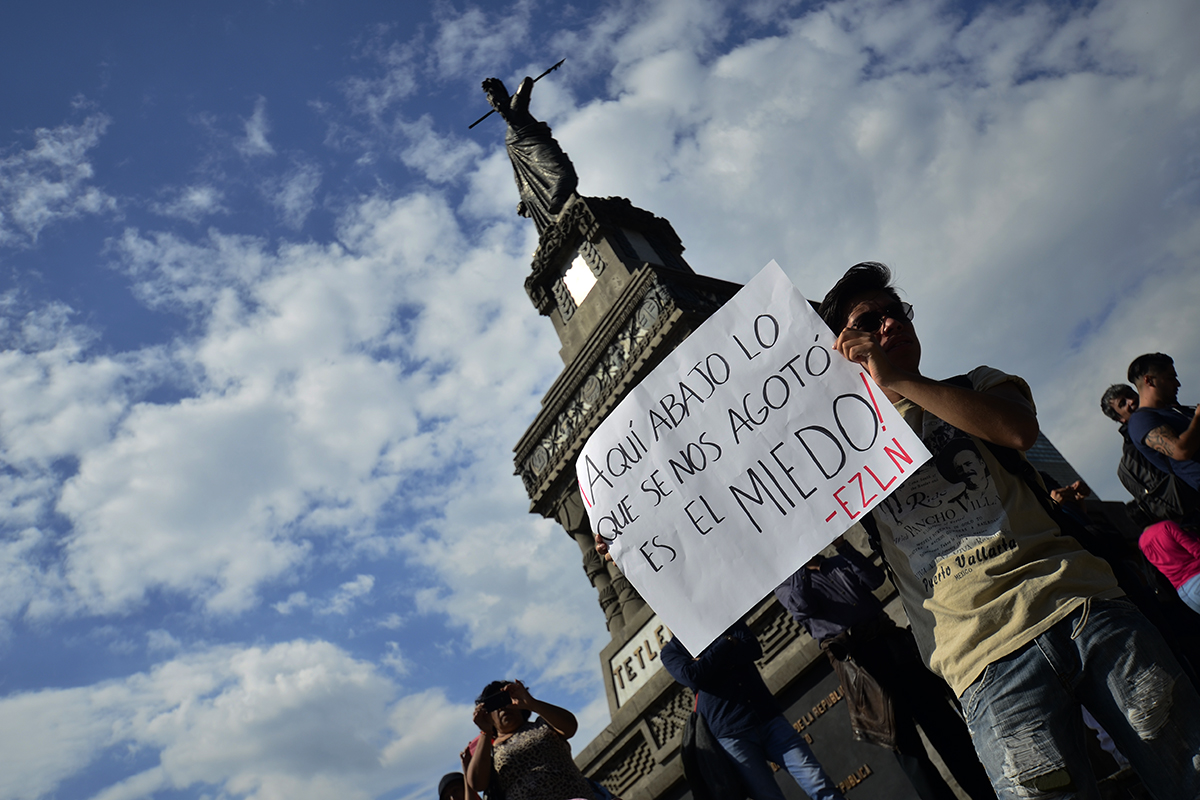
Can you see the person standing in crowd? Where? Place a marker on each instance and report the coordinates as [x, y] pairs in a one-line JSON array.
[[453, 785], [1166, 433], [742, 714], [528, 760], [1157, 495], [834, 600], [1175, 552], [1021, 621]]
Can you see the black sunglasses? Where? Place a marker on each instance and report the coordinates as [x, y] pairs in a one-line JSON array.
[[872, 321]]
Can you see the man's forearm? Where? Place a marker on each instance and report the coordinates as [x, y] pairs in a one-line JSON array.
[[997, 416], [1189, 440], [1175, 446]]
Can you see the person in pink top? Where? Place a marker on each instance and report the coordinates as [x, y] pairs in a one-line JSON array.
[[1175, 551]]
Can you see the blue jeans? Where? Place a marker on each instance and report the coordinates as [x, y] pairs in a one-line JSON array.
[[1024, 710], [779, 742], [1189, 593]]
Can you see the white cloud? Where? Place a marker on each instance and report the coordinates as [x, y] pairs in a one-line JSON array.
[[472, 42], [294, 601], [141, 785], [348, 594], [330, 381], [425, 723], [395, 659], [59, 397], [160, 640], [374, 96], [191, 203], [51, 182], [392, 622], [28, 577], [294, 194], [300, 719], [48, 737], [438, 156], [255, 143]]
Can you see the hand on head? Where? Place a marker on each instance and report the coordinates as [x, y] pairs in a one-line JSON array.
[[483, 720], [519, 694], [503, 707]]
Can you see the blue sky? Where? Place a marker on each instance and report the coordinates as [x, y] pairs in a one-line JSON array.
[[265, 350]]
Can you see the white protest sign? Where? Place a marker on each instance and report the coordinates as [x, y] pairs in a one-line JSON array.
[[745, 452]]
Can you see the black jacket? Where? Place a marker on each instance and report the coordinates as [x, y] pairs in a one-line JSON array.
[[733, 698], [1156, 495]]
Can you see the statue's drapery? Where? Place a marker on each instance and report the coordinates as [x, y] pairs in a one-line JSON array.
[[544, 174]]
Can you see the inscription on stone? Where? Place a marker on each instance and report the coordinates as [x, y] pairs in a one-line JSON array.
[[855, 778], [831, 700], [638, 660]]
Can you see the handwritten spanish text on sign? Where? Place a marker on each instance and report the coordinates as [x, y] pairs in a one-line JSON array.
[[751, 447]]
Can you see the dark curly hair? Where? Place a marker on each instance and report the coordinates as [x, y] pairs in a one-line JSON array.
[[864, 277], [497, 686], [1111, 395]]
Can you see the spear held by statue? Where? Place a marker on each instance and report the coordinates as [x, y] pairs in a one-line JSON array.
[[545, 176], [535, 80]]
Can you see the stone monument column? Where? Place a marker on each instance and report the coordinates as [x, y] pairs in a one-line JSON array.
[[612, 279], [619, 600]]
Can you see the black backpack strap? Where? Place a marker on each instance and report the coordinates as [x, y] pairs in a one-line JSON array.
[[1009, 458], [1015, 464], [872, 528]]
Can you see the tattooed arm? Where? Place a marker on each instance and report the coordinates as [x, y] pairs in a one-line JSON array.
[[1176, 446]]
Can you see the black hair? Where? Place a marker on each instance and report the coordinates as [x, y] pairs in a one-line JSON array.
[[448, 780], [864, 277], [498, 686], [1143, 365], [944, 462], [491, 689], [1113, 394]]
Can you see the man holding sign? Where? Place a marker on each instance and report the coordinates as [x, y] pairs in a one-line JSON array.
[[746, 451], [1022, 622]]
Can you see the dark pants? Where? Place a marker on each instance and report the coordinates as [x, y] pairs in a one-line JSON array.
[[920, 697]]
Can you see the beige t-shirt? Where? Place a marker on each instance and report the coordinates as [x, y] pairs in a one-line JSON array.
[[979, 564]]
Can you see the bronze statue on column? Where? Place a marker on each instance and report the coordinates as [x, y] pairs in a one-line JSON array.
[[545, 176]]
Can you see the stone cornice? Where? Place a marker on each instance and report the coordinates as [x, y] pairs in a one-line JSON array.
[[629, 341], [582, 220]]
